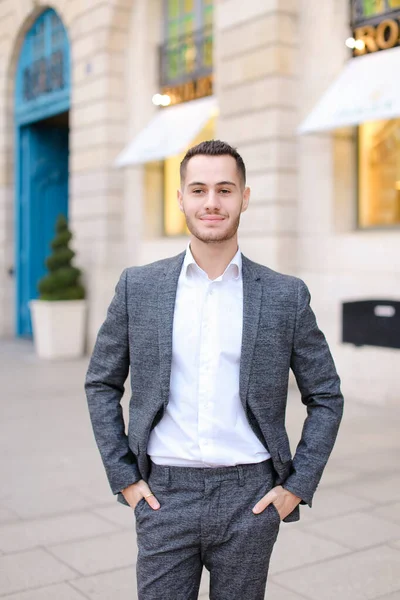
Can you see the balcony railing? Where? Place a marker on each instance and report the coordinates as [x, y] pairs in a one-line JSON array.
[[186, 58]]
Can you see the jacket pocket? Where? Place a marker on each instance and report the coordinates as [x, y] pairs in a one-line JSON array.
[[139, 505]]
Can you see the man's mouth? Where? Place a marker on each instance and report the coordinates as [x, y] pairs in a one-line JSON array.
[[212, 218]]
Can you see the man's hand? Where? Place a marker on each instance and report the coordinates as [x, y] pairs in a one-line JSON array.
[[135, 492], [284, 501]]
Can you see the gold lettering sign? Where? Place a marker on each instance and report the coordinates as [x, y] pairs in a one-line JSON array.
[[393, 37], [192, 90], [367, 35], [382, 37]]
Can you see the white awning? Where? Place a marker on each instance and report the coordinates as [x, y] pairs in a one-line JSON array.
[[169, 132], [368, 89]]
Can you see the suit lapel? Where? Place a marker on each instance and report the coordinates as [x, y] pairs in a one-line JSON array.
[[252, 294], [166, 305]]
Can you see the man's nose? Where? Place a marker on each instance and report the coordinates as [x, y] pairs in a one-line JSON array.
[[212, 201]]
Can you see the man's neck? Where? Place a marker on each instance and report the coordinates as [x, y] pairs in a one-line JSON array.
[[213, 258]]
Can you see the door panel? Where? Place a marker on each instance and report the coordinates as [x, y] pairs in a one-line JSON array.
[[43, 196]]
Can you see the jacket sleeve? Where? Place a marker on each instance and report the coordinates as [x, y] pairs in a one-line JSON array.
[[319, 385], [104, 386]]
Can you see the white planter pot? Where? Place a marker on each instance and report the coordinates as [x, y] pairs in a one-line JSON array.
[[59, 328]]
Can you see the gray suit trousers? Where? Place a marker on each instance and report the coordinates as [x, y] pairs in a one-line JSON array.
[[206, 519]]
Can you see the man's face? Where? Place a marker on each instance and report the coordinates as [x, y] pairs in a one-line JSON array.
[[212, 197]]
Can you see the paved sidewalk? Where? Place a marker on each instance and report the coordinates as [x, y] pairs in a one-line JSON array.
[[64, 537]]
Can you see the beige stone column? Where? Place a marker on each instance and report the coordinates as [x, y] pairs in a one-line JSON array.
[[256, 82], [99, 40]]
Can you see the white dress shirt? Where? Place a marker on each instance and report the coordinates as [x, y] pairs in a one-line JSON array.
[[204, 424]]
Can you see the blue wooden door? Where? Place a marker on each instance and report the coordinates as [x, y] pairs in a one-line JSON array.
[[42, 91], [44, 196]]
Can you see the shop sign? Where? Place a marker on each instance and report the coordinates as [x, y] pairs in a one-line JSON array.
[[376, 23], [191, 90], [378, 37]]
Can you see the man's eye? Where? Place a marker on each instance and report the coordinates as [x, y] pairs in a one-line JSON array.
[[197, 191], [225, 191]]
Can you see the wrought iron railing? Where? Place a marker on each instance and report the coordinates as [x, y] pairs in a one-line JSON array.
[[44, 76], [186, 58]]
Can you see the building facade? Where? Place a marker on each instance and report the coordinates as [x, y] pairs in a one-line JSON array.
[[246, 72]]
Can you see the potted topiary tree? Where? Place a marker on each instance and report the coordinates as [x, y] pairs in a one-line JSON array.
[[58, 316]]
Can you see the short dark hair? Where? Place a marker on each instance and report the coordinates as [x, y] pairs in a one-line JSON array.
[[214, 148]]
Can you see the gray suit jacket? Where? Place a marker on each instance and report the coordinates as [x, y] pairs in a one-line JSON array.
[[279, 332]]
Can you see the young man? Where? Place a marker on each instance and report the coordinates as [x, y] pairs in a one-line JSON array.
[[210, 337]]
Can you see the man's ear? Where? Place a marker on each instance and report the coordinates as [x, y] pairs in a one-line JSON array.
[[246, 199], [179, 196]]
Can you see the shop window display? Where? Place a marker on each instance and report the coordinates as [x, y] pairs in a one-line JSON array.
[[379, 174]]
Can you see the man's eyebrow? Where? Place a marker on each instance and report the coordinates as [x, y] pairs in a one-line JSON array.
[[195, 183], [226, 183]]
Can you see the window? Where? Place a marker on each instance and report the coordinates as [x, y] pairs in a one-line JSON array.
[[44, 60], [183, 17], [181, 23], [379, 174], [187, 48], [370, 8]]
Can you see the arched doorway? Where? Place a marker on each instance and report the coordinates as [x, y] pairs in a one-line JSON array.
[[42, 102]]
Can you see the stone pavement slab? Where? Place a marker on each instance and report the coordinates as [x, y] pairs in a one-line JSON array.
[[8, 516], [19, 572], [356, 531], [43, 532], [377, 489], [55, 592], [365, 575], [276, 592], [357, 437], [391, 512], [118, 514], [119, 583], [380, 462], [335, 475], [44, 502], [295, 548], [330, 503], [98, 554]]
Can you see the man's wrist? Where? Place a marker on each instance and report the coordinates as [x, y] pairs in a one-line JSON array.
[[292, 495]]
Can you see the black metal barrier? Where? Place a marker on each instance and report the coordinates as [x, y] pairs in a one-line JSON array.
[[371, 323]]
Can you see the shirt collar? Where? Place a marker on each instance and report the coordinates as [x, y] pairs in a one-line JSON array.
[[232, 271]]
